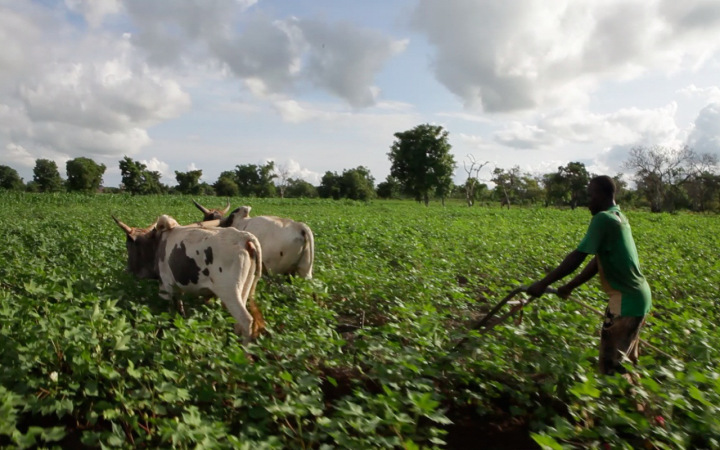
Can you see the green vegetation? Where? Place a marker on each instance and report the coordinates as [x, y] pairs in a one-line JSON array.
[[359, 357]]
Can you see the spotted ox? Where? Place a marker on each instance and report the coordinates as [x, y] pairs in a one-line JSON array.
[[222, 262], [288, 246]]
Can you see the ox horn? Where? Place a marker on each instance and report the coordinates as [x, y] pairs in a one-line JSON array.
[[201, 207], [125, 228], [227, 208]]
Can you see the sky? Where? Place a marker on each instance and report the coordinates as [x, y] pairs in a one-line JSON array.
[[323, 85]]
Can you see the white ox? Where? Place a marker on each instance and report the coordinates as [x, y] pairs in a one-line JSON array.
[[223, 262], [288, 246]]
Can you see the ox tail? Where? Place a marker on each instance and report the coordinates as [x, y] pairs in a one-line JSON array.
[[253, 248], [305, 264]]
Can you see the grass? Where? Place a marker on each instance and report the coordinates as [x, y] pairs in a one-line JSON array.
[[360, 356]]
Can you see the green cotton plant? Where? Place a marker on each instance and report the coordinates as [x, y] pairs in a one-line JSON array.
[[361, 356]]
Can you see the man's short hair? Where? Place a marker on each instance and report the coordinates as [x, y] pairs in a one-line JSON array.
[[605, 185]]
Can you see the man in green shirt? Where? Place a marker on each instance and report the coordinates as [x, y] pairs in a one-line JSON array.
[[610, 240]]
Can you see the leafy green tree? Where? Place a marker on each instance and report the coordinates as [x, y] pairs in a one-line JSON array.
[[357, 184], [189, 182], [46, 176], [225, 186], [330, 185], [132, 175], [555, 189], [422, 162], [704, 191], [530, 189], [256, 181], [567, 186], [576, 178], [138, 180], [84, 175], [623, 194], [297, 188], [206, 189], [10, 179], [661, 172], [507, 185], [390, 188]]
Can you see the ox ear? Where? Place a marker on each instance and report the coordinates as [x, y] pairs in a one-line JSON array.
[[227, 208], [128, 230], [202, 208], [244, 211], [165, 223]]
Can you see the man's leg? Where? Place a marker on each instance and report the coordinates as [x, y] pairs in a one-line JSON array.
[[620, 336]]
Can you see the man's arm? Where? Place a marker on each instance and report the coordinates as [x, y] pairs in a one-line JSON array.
[[587, 273], [571, 262]]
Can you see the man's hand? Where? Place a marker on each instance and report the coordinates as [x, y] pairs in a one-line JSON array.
[[536, 289], [564, 291]]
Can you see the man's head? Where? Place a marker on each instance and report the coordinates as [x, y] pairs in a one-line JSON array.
[[602, 194]]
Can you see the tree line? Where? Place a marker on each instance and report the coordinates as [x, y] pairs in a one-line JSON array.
[[422, 168]]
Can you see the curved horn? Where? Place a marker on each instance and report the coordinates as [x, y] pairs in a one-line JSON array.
[[227, 208], [201, 207], [128, 230]]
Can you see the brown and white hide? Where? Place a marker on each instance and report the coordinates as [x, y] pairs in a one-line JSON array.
[[288, 246], [224, 262]]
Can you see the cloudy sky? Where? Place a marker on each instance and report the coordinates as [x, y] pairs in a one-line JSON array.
[[319, 85]]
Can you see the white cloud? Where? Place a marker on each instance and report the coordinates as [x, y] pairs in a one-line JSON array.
[[519, 135], [705, 136], [526, 54], [271, 56], [710, 94], [94, 11], [296, 171], [85, 96], [344, 58], [628, 125], [17, 154], [155, 165]]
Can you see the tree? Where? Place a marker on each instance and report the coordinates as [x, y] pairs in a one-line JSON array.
[[205, 189], [10, 179], [390, 188], [282, 173], [330, 185], [297, 188], [661, 173], [576, 178], [555, 189], [703, 184], [137, 180], [189, 182], [704, 191], [530, 189], [421, 161], [473, 171], [46, 176], [84, 175], [357, 184], [506, 184], [623, 194], [567, 186], [256, 181], [225, 186]]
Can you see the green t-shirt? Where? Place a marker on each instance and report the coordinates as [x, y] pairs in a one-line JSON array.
[[610, 239]]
